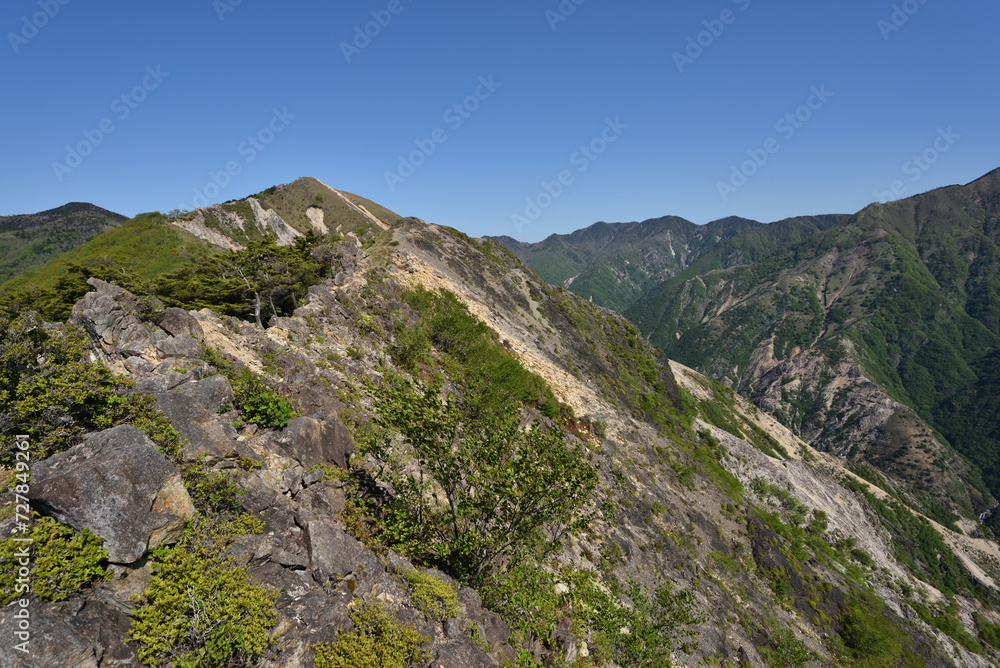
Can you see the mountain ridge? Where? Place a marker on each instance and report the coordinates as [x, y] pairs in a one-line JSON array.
[[28, 241], [713, 534]]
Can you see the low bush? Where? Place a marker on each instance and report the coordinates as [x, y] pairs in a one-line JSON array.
[[62, 561], [201, 610], [432, 595], [378, 640]]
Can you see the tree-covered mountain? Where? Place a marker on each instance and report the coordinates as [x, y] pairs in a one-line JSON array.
[[615, 264], [899, 302], [29, 241]]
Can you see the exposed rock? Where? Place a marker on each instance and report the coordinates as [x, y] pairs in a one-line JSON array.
[[212, 393], [464, 653], [332, 552], [184, 346], [106, 628], [112, 484], [107, 315], [177, 321], [494, 631], [53, 640], [204, 432], [313, 442]]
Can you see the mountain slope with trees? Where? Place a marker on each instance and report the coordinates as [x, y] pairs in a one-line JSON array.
[[617, 264], [901, 299], [423, 454], [29, 241]]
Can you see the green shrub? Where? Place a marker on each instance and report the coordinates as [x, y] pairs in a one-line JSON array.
[[51, 392], [212, 492], [787, 651], [871, 637], [378, 640], [261, 404], [432, 595], [201, 610], [503, 484], [988, 632], [62, 561]]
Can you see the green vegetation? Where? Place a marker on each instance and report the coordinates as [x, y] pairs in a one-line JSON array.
[[162, 248], [871, 639], [62, 561], [29, 241], [378, 640], [432, 595], [642, 632], [51, 392], [630, 373], [259, 402], [918, 545], [212, 492], [263, 278], [501, 484], [469, 350], [200, 609]]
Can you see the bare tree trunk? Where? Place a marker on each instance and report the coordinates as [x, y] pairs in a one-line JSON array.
[[256, 298]]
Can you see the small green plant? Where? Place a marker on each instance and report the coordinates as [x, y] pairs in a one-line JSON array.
[[212, 492], [432, 595], [259, 403], [378, 640], [250, 464], [63, 561], [331, 472], [201, 610]]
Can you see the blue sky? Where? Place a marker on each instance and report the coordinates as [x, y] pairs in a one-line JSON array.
[[663, 133]]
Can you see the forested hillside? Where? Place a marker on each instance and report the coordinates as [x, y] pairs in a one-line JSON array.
[[29, 241], [615, 265], [908, 290]]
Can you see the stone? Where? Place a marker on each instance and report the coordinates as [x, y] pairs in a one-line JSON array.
[[185, 346], [106, 628], [53, 641], [110, 484], [332, 553], [312, 442], [211, 393], [310, 479], [289, 560], [462, 652], [495, 632], [177, 321], [204, 432]]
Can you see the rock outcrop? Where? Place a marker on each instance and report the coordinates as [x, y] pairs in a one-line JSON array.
[[120, 487]]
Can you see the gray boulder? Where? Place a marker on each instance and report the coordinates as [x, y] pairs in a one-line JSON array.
[[185, 346], [109, 316], [52, 640], [212, 393], [332, 552], [311, 442], [177, 321], [120, 487], [205, 433], [462, 652]]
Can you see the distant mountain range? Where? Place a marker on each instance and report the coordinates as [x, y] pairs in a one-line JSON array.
[[616, 264], [875, 336], [29, 241]]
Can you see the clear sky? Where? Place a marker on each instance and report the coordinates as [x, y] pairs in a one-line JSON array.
[[667, 98]]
